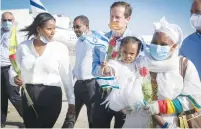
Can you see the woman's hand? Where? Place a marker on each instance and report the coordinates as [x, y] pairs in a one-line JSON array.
[[18, 81], [159, 120], [153, 109]]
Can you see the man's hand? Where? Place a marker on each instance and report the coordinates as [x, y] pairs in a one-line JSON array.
[[18, 81], [71, 109]]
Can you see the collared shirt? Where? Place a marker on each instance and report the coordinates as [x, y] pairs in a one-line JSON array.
[[84, 52], [4, 46], [100, 52], [83, 65], [191, 48], [51, 68], [4, 54]]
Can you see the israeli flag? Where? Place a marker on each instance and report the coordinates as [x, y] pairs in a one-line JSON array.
[[107, 82], [97, 39], [37, 7]]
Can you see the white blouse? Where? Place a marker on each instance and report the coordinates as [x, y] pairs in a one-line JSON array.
[[52, 68]]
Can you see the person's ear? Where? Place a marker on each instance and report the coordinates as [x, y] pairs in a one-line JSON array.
[[173, 47], [13, 20], [87, 26], [128, 19], [38, 29]]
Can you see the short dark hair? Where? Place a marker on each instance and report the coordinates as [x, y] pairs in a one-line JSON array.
[[128, 8], [40, 21], [84, 19], [5, 13], [132, 39]]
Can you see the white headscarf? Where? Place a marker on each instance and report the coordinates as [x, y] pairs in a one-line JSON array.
[[171, 30], [169, 80]]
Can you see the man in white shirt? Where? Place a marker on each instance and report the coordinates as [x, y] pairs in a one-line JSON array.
[[84, 87], [7, 90]]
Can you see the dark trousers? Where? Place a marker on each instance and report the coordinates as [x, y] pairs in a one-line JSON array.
[[8, 92], [102, 116], [47, 103], [84, 93]]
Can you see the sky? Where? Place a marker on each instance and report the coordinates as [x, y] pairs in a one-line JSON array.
[[145, 12]]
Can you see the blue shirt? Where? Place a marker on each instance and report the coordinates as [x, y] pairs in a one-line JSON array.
[[191, 48], [84, 51], [100, 52]]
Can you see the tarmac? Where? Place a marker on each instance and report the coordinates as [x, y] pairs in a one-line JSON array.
[[15, 121]]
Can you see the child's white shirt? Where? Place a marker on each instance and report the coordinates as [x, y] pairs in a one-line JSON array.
[[123, 72]]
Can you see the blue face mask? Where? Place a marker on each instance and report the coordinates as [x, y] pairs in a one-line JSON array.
[[7, 25], [159, 52]]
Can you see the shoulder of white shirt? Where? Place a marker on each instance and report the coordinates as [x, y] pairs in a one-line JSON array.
[[25, 43], [51, 43]]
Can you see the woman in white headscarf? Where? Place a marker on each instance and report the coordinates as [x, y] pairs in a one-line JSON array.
[[175, 78], [176, 86]]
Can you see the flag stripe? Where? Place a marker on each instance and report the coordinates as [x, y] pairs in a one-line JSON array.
[[37, 5]]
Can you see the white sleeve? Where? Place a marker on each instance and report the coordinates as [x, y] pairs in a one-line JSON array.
[[192, 87], [12, 72], [66, 75]]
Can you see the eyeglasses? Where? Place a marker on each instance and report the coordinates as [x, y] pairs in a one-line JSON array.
[[4, 20], [77, 27]]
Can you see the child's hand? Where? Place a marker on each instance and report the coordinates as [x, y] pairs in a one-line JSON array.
[[104, 67]]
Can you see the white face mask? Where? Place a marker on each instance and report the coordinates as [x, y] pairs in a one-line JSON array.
[[43, 39], [195, 21], [82, 37]]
